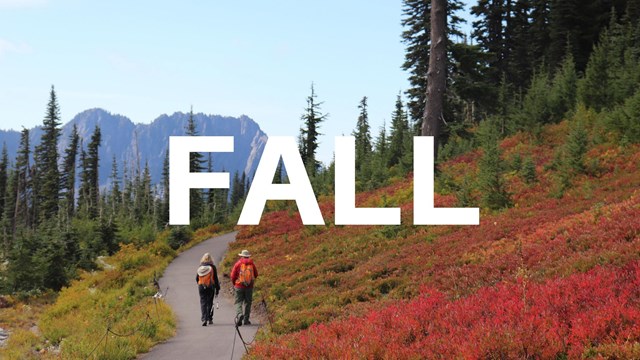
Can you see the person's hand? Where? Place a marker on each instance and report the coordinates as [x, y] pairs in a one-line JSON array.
[[217, 292]]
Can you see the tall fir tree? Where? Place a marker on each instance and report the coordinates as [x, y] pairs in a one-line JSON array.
[[211, 193], [24, 186], [46, 156], [237, 189], [489, 32], [380, 159], [68, 175], [8, 212], [4, 177], [398, 133], [164, 212], [594, 89], [115, 195], [309, 133], [89, 197], [196, 164], [362, 133]]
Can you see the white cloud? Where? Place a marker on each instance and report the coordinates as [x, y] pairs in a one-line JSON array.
[[8, 47], [19, 4]]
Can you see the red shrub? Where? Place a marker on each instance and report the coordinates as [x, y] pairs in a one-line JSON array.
[[560, 317]]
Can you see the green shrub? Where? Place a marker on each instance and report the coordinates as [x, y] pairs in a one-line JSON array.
[[528, 171], [180, 235]]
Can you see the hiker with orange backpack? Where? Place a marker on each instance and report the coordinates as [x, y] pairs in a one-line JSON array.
[[243, 276], [208, 287]]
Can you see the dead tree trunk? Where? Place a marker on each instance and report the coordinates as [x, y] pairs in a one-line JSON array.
[[437, 74]]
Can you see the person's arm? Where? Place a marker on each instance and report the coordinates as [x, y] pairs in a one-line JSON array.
[[197, 278], [255, 271], [234, 273], [215, 277]]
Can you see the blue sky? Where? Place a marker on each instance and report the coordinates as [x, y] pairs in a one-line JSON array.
[[144, 58]]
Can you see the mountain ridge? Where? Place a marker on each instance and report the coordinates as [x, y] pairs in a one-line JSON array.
[[135, 144]]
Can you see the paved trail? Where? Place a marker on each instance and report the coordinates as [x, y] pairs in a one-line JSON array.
[[192, 340]]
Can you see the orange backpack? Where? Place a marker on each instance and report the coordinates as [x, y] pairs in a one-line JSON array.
[[206, 280], [246, 275]]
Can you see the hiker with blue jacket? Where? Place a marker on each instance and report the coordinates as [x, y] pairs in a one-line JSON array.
[[243, 275], [208, 287]]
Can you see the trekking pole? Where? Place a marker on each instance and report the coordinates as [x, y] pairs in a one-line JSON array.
[[240, 334]]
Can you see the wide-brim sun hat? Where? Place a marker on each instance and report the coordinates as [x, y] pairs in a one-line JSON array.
[[245, 253], [204, 270]]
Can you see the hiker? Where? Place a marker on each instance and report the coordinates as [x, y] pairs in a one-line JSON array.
[[243, 275], [208, 287]]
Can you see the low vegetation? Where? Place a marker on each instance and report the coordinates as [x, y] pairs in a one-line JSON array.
[[569, 230], [111, 313]]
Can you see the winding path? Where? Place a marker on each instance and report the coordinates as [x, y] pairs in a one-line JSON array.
[[192, 340]]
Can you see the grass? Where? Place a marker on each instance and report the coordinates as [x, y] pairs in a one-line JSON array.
[[106, 314]]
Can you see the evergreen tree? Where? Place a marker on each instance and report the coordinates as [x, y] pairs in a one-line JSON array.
[[4, 177], [538, 36], [470, 94], [398, 133], [8, 211], [143, 195], [278, 176], [576, 24], [491, 183], [489, 31], [68, 175], [46, 155], [520, 26], [362, 135], [89, 196], [211, 193], [26, 268], [623, 121], [576, 147], [115, 195], [196, 164], [164, 212], [24, 190], [127, 193], [417, 38], [237, 189], [309, 133], [222, 204], [594, 88], [529, 170], [536, 106], [244, 185], [52, 253], [379, 160], [563, 90]]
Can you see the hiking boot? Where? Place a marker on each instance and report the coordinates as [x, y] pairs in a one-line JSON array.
[[239, 322], [247, 322], [204, 323]]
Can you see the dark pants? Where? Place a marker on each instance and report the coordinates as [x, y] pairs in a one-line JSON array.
[[206, 303], [244, 296]]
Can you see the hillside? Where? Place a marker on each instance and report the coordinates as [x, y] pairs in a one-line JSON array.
[[555, 275]]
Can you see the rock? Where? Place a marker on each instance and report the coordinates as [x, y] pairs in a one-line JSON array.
[[35, 330], [4, 336]]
